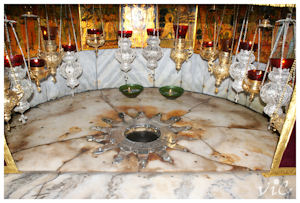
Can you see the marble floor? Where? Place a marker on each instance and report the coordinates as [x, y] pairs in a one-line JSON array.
[[207, 185], [223, 136], [227, 146]]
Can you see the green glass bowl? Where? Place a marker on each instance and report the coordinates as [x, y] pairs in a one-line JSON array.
[[131, 90], [171, 92]]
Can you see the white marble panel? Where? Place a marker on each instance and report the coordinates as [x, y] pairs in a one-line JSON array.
[[233, 185], [107, 73]]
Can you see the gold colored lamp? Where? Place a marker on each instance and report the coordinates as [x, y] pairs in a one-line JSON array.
[[252, 83]]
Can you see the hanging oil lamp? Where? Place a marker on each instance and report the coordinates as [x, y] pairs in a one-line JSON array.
[[252, 81], [18, 72], [179, 54], [11, 97], [36, 65], [52, 57], [70, 68], [220, 69], [153, 53], [276, 93], [208, 49], [243, 60], [125, 54], [95, 36], [251, 84]]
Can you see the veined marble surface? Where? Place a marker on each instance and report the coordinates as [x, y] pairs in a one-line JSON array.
[[227, 136], [242, 185], [107, 74]]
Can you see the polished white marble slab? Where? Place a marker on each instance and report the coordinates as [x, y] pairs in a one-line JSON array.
[[233, 185], [54, 139]]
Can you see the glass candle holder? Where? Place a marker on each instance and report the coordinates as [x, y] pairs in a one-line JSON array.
[[171, 92], [247, 46], [37, 62], [182, 30], [16, 60], [131, 90], [256, 75], [226, 45], [286, 63], [53, 31], [154, 31], [94, 31], [208, 44], [126, 33], [69, 47]]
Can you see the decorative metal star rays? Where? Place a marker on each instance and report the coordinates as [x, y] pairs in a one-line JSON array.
[[141, 136]]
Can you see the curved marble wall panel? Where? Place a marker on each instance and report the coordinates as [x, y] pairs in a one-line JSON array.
[[107, 74]]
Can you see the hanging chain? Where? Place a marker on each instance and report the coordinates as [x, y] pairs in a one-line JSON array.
[[7, 38], [240, 37], [101, 16], [74, 34], [236, 12], [219, 29], [27, 41], [247, 20], [258, 46], [60, 26], [47, 21]]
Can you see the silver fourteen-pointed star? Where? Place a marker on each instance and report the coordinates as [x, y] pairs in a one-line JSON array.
[[141, 136]]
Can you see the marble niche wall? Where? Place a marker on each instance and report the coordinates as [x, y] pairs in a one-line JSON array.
[[107, 74]]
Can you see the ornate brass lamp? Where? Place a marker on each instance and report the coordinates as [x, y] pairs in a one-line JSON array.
[[252, 80], [52, 57], [208, 49], [11, 98], [251, 84], [179, 54], [36, 66], [221, 69], [95, 36], [207, 52]]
